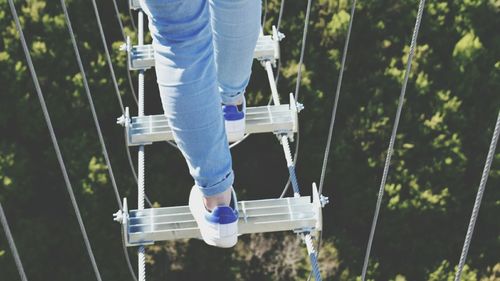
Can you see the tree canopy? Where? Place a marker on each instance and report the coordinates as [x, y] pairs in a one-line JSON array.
[[452, 101]]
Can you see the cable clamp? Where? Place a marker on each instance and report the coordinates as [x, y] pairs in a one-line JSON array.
[[119, 217], [323, 200], [300, 106], [120, 120], [280, 36]]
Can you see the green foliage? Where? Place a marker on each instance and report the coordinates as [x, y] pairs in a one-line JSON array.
[[444, 273], [452, 101]]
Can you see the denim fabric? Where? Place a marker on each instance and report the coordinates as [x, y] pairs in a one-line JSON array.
[[203, 54]]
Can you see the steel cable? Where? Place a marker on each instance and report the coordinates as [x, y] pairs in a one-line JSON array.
[[91, 103], [120, 23], [54, 141], [132, 21], [393, 137], [108, 56], [479, 197], [115, 83], [96, 123], [297, 86], [278, 26], [334, 113], [12, 244]]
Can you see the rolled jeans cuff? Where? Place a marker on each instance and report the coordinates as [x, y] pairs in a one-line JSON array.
[[219, 187], [233, 99]]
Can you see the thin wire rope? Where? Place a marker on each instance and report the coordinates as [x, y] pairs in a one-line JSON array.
[[278, 25], [234, 144], [132, 21], [54, 141], [127, 257], [302, 50], [282, 7], [127, 150], [12, 244], [120, 23], [113, 78], [393, 136], [479, 198], [91, 103], [264, 15], [108, 57], [131, 84], [97, 125], [332, 121], [334, 114], [297, 86], [336, 101]]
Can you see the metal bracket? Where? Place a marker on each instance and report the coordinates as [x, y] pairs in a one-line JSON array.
[[319, 202], [296, 108], [122, 217]]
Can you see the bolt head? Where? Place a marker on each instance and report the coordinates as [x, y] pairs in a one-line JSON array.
[[300, 107], [118, 216], [120, 120], [324, 200]]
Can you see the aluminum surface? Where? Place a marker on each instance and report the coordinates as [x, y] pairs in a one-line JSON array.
[[256, 216]]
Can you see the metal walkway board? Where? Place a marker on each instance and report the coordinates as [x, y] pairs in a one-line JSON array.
[[278, 119], [256, 216], [142, 57]]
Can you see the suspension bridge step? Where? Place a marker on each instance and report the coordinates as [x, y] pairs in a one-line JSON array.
[[256, 216], [278, 119], [142, 56]]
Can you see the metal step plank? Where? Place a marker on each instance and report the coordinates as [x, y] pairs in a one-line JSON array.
[[159, 224], [150, 135], [251, 111], [158, 121], [256, 216], [185, 221], [142, 57], [242, 205], [243, 228], [297, 212], [261, 119]]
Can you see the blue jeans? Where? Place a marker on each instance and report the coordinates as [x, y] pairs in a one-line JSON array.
[[203, 54]]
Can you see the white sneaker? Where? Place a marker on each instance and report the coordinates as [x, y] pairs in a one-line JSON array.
[[220, 226], [234, 120]]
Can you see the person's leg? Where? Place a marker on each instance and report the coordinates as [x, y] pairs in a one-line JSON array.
[[186, 76], [236, 28]]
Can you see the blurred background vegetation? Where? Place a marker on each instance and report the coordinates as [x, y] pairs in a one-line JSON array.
[[453, 98]]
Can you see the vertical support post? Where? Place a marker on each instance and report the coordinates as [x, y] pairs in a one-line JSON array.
[[141, 157], [312, 256], [289, 163], [283, 138]]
